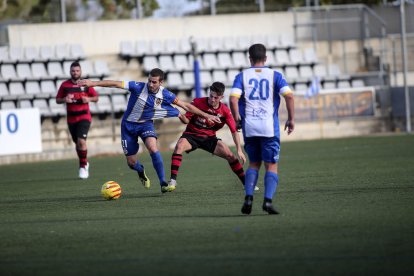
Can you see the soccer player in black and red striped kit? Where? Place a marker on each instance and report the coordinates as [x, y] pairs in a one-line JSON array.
[[201, 133], [79, 117]]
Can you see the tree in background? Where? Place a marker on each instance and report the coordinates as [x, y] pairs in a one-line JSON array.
[[35, 11], [246, 6]]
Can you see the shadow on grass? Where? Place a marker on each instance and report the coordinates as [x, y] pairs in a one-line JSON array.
[[140, 218], [73, 199]]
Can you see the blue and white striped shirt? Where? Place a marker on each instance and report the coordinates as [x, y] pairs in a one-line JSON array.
[[144, 105]]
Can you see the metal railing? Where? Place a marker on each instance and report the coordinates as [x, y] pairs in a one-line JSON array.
[[341, 23]]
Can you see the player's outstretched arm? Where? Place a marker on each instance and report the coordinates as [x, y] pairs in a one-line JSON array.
[[191, 108], [234, 107], [103, 83], [183, 119], [290, 107], [240, 154]]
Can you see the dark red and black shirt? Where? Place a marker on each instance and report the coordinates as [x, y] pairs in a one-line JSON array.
[[201, 127]]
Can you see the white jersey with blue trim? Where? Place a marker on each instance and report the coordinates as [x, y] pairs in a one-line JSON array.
[[259, 90], [144, 105]]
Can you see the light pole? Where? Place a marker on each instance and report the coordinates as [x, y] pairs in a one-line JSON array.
[[405, 67]]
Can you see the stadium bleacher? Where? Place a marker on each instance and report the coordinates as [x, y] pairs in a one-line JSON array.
[[30, 76], [221, 58]]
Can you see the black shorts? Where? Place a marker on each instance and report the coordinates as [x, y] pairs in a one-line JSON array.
[[79, 130], [206, 143]]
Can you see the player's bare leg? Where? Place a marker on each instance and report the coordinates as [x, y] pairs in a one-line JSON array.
[[223, 151], [176, 158]]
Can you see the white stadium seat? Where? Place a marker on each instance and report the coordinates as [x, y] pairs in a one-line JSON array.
[[215, 44], [224, 61], [7, 105], [205, 78], [174, 80], [141, 48], [76, 51], [104, 104], [149, 63], [119, 103], [240, 60], [32, 88], [4, 91], [171, 46], [344, 84], [309, 56], [31, 53], [56, 109], [47, 88], [221, 76], [43, 106], [156, 47], [319, 70], [62, 52], [357, 83], [23, 71], [39, 71], [282, 57], [16, 89], [101, 68], [270, 59], [166, 63], [127, 49], [229, 43], [16, 54], [210, 61], [188, 78], [8, 72], [181, 63], [295, 56], [25, 104], [47, 53], [184, 46], [55, 70]]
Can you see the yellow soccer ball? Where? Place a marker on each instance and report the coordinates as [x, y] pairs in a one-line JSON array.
[[111, 190]]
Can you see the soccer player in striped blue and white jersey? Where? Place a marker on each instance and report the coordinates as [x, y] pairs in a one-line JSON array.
[[254, 102], [148, 101]]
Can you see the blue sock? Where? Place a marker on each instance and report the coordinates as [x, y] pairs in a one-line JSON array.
[[138, 167], [158, 165], [271, 180], [250, 181]]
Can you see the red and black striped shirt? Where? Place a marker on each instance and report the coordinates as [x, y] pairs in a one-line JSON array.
[[76, 111]]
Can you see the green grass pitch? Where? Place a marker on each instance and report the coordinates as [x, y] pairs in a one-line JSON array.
[[347, 208]]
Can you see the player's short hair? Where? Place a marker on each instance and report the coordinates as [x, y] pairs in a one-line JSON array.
[[217, 87], [75, 64], [157, 72], [257, 52]]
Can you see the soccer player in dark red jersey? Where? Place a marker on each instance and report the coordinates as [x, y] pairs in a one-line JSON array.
[[201, 133], [79, 117]]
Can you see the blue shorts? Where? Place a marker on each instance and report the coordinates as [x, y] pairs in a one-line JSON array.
[[130, 133], [262, 149]]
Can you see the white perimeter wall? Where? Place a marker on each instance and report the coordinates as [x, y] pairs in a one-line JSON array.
[[104, 37]]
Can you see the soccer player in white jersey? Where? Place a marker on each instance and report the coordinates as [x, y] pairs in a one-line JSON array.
[[254, 102], [147, 102]]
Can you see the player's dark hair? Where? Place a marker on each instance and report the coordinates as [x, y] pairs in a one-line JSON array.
[[218, 87], [75, 64], [157, 72], [257, 53]]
